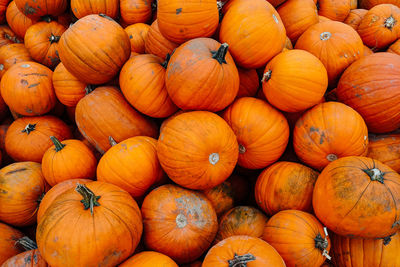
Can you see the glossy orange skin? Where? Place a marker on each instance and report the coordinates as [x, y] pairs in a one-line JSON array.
[[350, 203], [298, 81], [92, 57], [23, 185], [135, 11], [197, 150], [137, 35], [119, 119], [30, 258], [156, 44], [285, 186], [319, 133], [298, 16], [8, 237], [386, 149], [179, 223], [368, 4], [248, 82], [82, 8], [241, 220], [38, 8], [246, 27], [225, 250], [262, 131], [11, 54], [197, 81], [149, 259], [354, 18], [142, 81], [370, 86], [17, 21], [373, 30], [292, 233], [336, 10], [359, 252], [7, 36]]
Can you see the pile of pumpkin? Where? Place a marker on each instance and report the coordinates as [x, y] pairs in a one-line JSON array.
[[140, 133]]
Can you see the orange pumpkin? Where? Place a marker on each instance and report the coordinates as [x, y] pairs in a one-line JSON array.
[[172, 216], [197, 149], [157, 44], [262, 131], [354, 18], [149, 259], [135, 11], [12, 54], [248, 82], [30, 258], [298, 237], [334, 9], [358, 197], [7, 36], [247, 27], [17, 21], [137, 35], [38, 8], [82, 8], [386, 149], [368, 4], [8, 245]]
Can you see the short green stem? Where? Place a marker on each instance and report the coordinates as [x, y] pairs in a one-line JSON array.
[[220, 54], [89, 200], [26, 243], [375, 174], [29, 128], [241, 260], [54, 39], [112, 141], [58, 145]]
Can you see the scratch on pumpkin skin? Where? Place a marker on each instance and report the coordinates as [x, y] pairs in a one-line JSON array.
[[15, 171], [33, 85]]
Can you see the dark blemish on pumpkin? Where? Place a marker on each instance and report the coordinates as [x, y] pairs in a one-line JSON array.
[[28, 259], [33, 85], [35, 258], [321, 139], [124, 146], [313, 129], [36, 74], [28, 110], [24, 82], [29, 10], [178, 11], [2, 191], [358, 96], [130, 36], [15, 171], [110, 258], [181, 30]]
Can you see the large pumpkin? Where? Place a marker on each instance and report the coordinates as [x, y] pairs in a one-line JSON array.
[[12, 54], [149, 259], [27, 89], [386, 149], [118, 119], [262, 131], [94, 49], [156, 44], [298, 237], [370, 86], [8, 245], [137, 35], [247, 27], [172, 216], [135, 11], [358, 197], [318, 139], [354, 18], [197, 149], [82, 8], [30, 258], [79, 222], [334, 9], [17, 21]]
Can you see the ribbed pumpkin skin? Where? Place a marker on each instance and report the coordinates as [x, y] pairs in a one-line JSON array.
[[294, 80], [246, 27], [8, 237], [319, 135], [292, 234], [137, 34], [354, 18], [350, 203], [359, 252], [135, 11], [262, 131], [174, 217], [23, 186], [38, 8], [67, 231], [7, 36], [17, 21], [334, 9], [156, 44], [284, 186], [93, 57], [264, 253], [368, 4], [142, 81], [336, 44], [27, 89], [370, 86], [149, 259], [118, 119], [248, 82], [182, 20], [12, 54], [30, 258], [82, 8], [386, 149], [394, 48], [380, 27]]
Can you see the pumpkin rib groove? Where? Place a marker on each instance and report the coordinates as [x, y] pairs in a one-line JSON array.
[[394, 201], [311, 227], [358, 200]]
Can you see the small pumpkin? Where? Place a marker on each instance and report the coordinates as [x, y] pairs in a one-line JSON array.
[[17, 21], [30, 258], [386, 149], [149, 259], [137, 35], [8, 245], [336, 10], [12, 54], [156, 44], [7, 36], [354, 18], [82, 8], [135, 11], [248, 82], [38, 8]]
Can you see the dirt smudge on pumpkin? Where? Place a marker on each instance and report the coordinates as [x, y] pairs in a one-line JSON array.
[[178, 11], [321, 139], [33, 85], [192, 208], [313, 129], [15, 171], [29, 10], [24, 82], [28, 260], [110, 258], [36, 74]]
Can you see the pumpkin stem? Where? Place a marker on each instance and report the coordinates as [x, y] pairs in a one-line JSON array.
[[322, 243], [112, 141], [29, 128], [390, 22], [266, 76], [105, 16], [165, 63], [242, 149], [12, 38], [26, 243], [89, 88], [221, 53], [241, 261], [386, 240], [220, 5], [1, 67], [375, 175], [213, 158], [47, 18], [57, 143], [325, 36], [54, 39], [89, 200], [331, 157]]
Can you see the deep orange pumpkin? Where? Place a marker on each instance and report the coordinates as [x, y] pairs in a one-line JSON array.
[[354, 18], [7, 36], [38, 8], [156, 44], [82, 8], [8, 245], [137, 35], [17, 21], [30, 258], [149, 259], [336, 10], [386, 149], [12, 54], [135, 11]]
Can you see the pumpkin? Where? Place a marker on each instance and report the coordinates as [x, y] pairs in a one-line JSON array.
[[8, 245], [132, 165], [354, 252], [341, 46], [92, 57], [30, 258], [248, 82], [358, 197], [354, 18], [386, 149], [38, 8], [318, 140], [3, 7], [242, 250], [298, 237], [336, 10], [137, 35], [294, 80], [380, 27], [156, 44], [23, 186], [285, 186], [7, 36], [118, 118], [149, 259], [247, 27], [17, 21], [12, 54], [41, 40], [87, 215], [368, 4], [182, 20], [394, 48], [298, 16], [241, 220], [82, 8], [370, 86], [197, 150], [27, 88], [216, 82], [135, 11], [172, 216], [142, 81], [261, 131], [28, 138]]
